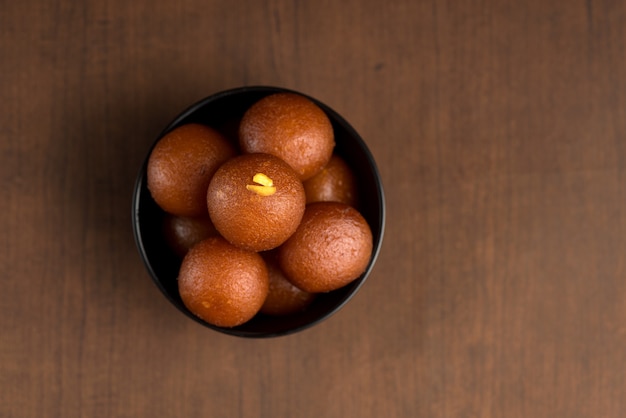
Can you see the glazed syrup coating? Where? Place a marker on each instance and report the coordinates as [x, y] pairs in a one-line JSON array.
[[331, 247], [335, 183], [181, 165], [292, 128], [221, 284], [256, 201]]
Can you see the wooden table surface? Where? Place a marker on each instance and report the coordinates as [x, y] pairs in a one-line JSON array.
[[499, 128]]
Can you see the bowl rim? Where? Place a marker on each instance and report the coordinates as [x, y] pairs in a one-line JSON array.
[[335, 118]]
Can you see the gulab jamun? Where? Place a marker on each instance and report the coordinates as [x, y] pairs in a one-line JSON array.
[[256, 201], [181, 165], [331, 247], [291, 127], [283, 297], [335, 183], [222, 284], [183, 232]]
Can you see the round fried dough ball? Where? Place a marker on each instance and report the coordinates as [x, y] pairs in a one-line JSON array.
[[181, 165], [222, 284], [335, 183], [331, 247], [283, 297], [183, 232], [291, 127], [256, 201]]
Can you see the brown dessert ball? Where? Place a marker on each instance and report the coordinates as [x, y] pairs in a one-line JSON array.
[[256, 201], [291, 127], [331, 247], [181, 165], [183, 232], [283, 297], [222, 284], [335, 183]]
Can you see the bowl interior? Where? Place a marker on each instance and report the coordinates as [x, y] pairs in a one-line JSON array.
[[217, 111]]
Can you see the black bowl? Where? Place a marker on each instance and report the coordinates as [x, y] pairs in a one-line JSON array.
[[163, 265]]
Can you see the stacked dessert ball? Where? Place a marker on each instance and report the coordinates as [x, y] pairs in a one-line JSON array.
[[266, 228]]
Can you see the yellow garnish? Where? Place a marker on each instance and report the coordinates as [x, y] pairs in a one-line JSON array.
[[262, 179], [261, 190], [264, 185]]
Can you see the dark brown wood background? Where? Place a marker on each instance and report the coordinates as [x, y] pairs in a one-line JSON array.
[[499, 128]]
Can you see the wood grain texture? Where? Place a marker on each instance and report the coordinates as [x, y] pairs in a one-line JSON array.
[[499, 128]]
